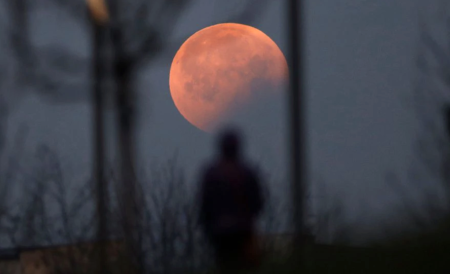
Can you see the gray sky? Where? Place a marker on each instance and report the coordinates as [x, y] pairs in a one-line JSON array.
[[361, 64]]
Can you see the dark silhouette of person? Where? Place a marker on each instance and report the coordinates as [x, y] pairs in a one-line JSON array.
[[230, 202]]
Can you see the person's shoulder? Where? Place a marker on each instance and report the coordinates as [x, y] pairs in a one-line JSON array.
[[209, 167], [250, 167]]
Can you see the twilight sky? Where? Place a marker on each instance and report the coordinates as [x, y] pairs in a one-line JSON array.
[[361, 64]]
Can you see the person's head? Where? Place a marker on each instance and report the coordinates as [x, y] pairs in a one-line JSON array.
[[229, 143]]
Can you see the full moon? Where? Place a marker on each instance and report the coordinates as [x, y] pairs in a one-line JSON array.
[[221, 69]]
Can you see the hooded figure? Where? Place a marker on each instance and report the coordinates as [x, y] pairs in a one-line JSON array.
[[230, 202]]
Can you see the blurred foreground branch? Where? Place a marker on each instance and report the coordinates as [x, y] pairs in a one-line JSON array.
[[147, 27]]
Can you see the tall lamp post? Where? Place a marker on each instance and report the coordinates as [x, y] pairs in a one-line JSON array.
[[99, 17], [125, 107], [447, 162], [447, 118], [122, 69], [295, 10]]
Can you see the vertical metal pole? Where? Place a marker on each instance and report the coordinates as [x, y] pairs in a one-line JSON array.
[[447, 118], [130, 209], [297, 118], [446, 172], [127, 151], [99, 149]]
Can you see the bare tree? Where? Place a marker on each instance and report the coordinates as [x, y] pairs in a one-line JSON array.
[[174, 241], [431, 97], [58, 217], [329, 224], [10, 170], [47, 214], [140, 32]]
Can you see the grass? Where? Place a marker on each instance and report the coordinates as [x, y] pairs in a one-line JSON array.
[[428, 253], [343, 259]]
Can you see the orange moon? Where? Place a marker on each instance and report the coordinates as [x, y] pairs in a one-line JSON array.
[[221, 69]]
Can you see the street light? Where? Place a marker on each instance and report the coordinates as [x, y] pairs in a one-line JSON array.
[[99, 16], [99, 11], [130, 198], [122, 67]]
